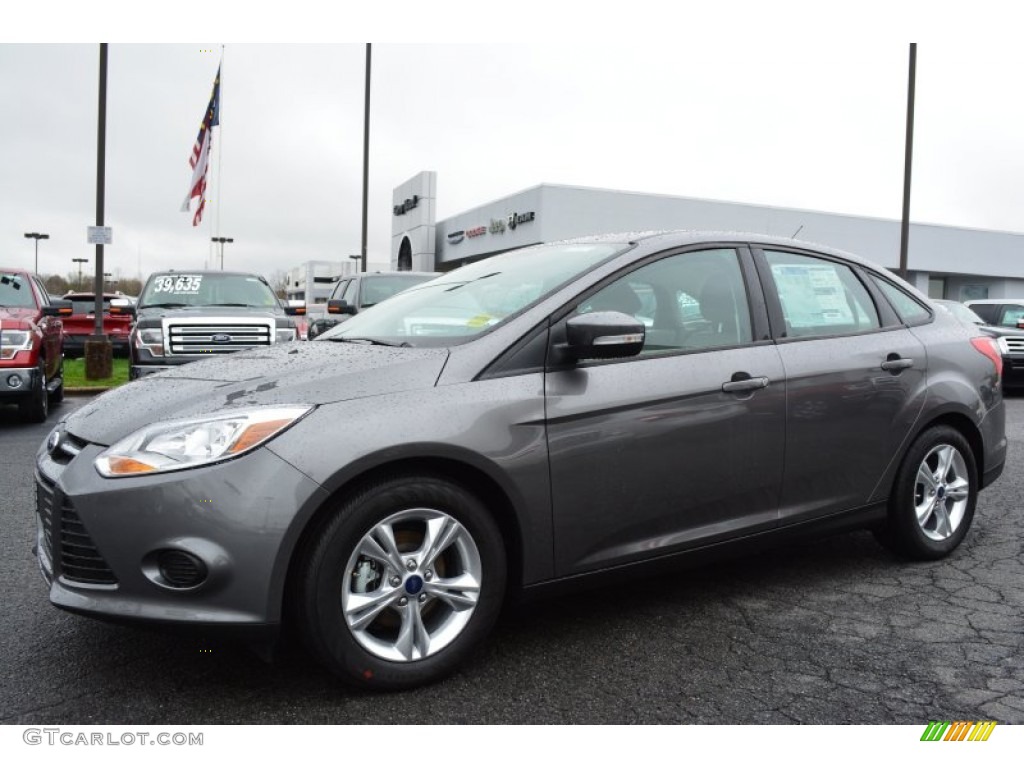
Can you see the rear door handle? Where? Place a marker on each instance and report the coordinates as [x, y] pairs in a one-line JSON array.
[[745, 385], [895, 364]]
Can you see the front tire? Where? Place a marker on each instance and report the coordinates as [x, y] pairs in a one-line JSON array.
[[403, 583], [36, 406], [934, 496]]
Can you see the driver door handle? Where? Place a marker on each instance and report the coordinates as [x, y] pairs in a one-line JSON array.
[[748, 384]]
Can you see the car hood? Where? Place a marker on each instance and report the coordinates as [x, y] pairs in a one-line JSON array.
[[12, 317], [311, 373], [155, 313]]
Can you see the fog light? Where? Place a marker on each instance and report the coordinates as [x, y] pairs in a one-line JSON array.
[[181, 570], [14, 381]]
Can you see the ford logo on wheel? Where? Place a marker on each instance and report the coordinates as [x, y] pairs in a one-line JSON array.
[[221, 338]]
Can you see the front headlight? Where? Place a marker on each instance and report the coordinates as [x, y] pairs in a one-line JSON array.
[[150, 339], [13, 342], [1004, 345], [285, 334], [172, 445]]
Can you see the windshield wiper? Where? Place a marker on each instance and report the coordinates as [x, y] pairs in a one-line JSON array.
[[169, 305], [368, 340]]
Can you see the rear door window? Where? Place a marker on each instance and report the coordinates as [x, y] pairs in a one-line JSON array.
[[820, 297]]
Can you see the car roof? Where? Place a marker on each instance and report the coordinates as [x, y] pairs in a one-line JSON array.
[[994, 301]]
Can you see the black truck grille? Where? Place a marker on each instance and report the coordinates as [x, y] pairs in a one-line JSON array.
[[64, 534]]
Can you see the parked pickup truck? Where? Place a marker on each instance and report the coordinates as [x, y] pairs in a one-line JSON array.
[[187, 316], [31, 344]]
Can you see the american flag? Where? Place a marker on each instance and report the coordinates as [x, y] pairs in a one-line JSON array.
[[200, 158]]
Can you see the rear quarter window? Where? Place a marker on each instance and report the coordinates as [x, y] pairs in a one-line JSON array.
[[910, 310]]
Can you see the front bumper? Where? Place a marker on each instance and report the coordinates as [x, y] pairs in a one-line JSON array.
[[1013, 371], [99, 540], [15, 382]]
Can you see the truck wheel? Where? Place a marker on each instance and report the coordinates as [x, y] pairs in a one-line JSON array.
[[36, 406]]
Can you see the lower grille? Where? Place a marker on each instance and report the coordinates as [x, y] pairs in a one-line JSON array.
[[66, 542], [79, 558]]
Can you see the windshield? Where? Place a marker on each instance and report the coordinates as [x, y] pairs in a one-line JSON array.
[[15, 291], [375, 289], [207, 290], [462, 304]]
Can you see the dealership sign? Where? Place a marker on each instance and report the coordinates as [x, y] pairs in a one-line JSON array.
[[456, 237], [476, 231], [407, 205], [515, 219]]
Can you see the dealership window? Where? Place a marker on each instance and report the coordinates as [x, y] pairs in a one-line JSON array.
[[820, 297], [936, 287]]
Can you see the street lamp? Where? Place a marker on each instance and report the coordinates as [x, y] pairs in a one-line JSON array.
[[358, 257], [80, 262], [222, 240], [37, 236]]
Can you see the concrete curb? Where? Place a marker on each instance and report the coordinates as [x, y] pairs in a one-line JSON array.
[[87, 390]]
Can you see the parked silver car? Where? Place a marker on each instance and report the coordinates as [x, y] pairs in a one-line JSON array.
[[567, 412]]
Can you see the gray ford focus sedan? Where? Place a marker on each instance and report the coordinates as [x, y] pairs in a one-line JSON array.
[[541, 419]]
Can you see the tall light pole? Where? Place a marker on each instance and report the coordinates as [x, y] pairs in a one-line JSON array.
[[222, 240], [366, 155], [37, 236], [907, 160], [80, 262]]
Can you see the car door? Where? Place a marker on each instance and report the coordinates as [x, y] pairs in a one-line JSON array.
[[53, 333], [855, 380], [681, 445]]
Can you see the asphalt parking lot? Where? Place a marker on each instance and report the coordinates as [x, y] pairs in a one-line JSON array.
[[835, 631]]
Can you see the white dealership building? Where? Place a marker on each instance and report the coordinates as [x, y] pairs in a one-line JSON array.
[[944, 262]]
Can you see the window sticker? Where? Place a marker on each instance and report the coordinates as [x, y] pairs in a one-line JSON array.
[[177, 284], [812, 295]]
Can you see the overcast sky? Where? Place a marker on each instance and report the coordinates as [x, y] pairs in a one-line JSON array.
[[811, 121]]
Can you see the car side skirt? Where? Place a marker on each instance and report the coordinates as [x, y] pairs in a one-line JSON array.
[[849, 520]]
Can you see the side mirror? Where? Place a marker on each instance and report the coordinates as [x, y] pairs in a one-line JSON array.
[[340, 307], [604, 335], [320, 325], [59, 309], [121, 307], [295, 309]]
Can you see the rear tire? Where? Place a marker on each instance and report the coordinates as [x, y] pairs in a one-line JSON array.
[[933, 497], [402, 583]]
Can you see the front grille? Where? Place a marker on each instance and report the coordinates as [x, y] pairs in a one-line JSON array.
[[66, 543], [1014, 344], [67, 449], [79, 558], [44, 511], [217, 339]]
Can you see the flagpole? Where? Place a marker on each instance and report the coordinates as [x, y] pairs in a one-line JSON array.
[[220, 136]]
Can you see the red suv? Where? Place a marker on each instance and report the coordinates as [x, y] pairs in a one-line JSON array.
[[80, 324], [31, 344]]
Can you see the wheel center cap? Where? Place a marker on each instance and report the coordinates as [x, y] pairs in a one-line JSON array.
[[941, 492], [413, 585]]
